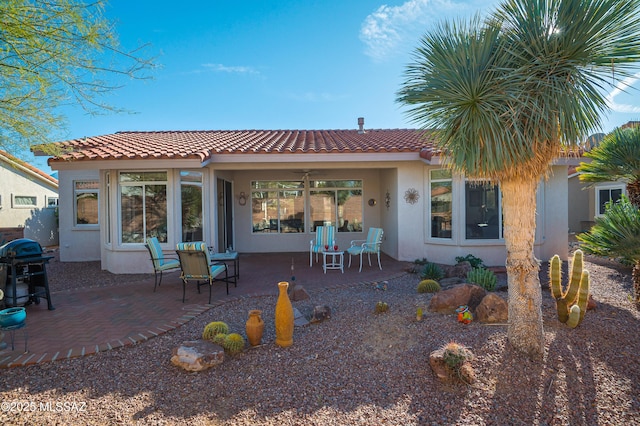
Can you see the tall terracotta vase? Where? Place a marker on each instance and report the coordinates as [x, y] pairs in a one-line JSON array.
[[284, 317], [254, 327]]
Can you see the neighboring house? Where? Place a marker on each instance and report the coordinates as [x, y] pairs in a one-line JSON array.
[[262, 191], [588, 200], [29, 200]]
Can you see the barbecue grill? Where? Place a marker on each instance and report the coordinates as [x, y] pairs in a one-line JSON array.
[[23, 263]]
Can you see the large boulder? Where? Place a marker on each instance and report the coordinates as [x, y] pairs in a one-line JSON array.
[[446, 301], [492, 309], [197, 355]]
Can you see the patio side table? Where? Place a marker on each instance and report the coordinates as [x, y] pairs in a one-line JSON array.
[[12, 332], [332, 260], [229, 257]]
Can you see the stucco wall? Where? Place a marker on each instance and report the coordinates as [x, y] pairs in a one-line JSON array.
[[40, 222], [77, 244], [579, 210]]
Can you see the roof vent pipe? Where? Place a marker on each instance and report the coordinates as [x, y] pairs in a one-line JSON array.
[[360, 125]]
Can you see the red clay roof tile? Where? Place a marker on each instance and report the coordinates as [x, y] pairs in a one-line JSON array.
[[205, 144]]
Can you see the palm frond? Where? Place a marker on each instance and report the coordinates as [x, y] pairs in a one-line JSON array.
[[616, 234]]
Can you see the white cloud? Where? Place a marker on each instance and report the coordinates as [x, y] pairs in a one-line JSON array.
[[389, 26], [624, 86], [231, 69]]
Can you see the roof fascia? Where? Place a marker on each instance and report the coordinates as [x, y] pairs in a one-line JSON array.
[[297, 158], [31, 171]]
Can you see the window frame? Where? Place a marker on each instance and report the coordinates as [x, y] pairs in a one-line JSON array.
[[143, 185], [430, 212], [15, 205], [607, 187], [79, 191], [499, 213]]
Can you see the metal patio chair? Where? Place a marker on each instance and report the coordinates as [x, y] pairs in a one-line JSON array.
[[160, 263], [325, 235], [196, 265], [369, 246]]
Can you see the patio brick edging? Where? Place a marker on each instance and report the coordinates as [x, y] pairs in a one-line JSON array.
[[29, 358]]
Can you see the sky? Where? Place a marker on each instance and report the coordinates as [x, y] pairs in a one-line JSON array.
[[277, 64]]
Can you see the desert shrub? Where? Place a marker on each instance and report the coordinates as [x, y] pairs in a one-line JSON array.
[[475, 262], [432, 271]]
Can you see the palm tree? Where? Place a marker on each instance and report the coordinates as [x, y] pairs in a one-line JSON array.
[[508, 94], [616, 158], [616, 234]]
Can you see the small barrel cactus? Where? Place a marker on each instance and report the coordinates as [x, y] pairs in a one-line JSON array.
[[213, 328], [381, 307], [233, 343], [218, 339], [428, 286]]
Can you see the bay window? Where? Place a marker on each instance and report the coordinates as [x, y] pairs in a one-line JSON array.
[[143, 206]]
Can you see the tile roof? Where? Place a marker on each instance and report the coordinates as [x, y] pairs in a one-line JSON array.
[[207, 143], [15, 161]]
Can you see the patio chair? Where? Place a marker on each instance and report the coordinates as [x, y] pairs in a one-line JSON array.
[[196, 265], [369, 246], [160, 263], [325, 235]]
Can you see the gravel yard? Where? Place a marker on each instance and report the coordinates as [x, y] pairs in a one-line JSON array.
[[358, 368]]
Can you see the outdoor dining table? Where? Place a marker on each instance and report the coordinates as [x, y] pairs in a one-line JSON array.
[[228, 256]]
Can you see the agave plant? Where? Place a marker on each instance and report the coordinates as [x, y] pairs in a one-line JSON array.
[[616, 234]]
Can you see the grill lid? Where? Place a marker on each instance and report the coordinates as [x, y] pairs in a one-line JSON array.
[[22, 247]]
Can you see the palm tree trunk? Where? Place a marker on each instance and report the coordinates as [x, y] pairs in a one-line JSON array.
[[525, 332]]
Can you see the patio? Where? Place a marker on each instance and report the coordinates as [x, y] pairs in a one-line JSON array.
[[95, 319]]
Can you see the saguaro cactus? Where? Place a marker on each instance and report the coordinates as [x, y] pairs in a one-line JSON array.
[[571, 304]]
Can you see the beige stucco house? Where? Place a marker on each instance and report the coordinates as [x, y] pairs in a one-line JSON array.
[[261, 191], [28, 200]]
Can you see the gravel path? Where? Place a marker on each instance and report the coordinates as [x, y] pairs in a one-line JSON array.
[[357, 368]]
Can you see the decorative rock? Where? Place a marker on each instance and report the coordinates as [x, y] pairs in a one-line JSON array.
[[492, 309], [297, 293], [445, 374], [321, 313], [591, 304], [197, 355], [460, 270], [446, 301], [450, 282], [299, 320]]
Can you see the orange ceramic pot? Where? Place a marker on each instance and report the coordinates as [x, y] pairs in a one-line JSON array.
[[284, 317], [254, 327]]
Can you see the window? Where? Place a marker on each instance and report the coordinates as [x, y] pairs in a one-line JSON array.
[[52, 202], [441, 203], [338, 203], [86, 202], [107, 181], [483, 217], [606, 194], [277, 206], [191, 195], [143, 206], [24, 202]]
